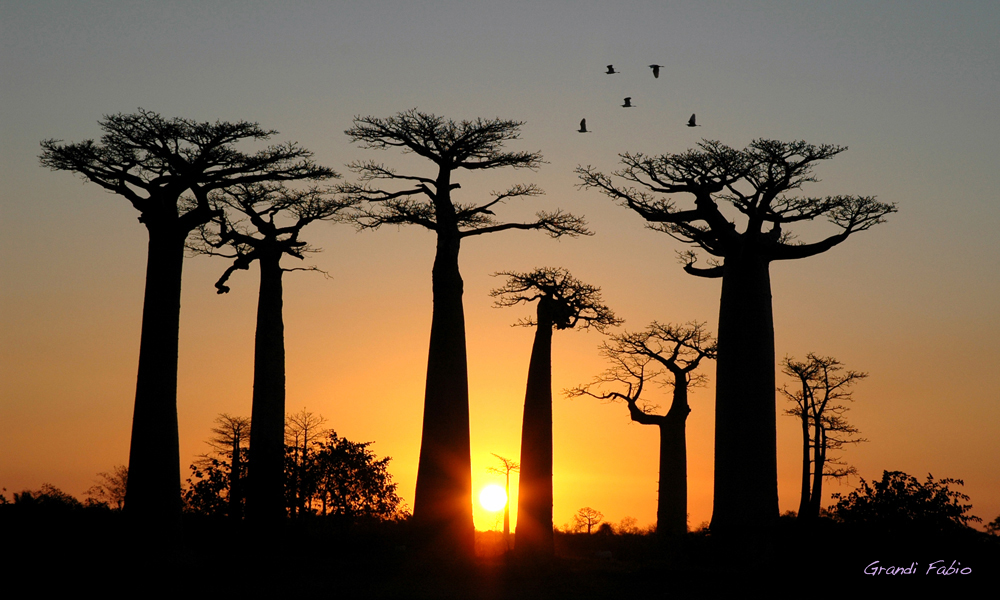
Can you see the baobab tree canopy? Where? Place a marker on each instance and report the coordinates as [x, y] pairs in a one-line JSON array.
[[153, 162], [442, 505], [755, 182]]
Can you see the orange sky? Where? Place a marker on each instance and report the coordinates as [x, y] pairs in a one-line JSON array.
[[913, 301]]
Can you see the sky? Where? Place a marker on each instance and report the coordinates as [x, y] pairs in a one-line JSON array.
[[909, 87]]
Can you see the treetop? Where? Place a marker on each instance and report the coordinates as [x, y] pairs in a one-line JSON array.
[[572, 301], [144, 156], [467, 144], [753, 180]]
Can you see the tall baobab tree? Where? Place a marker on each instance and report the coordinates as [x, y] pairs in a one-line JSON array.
[[262, 223], [822, 385], [666, 355], [508, 466], [755, 181], [230, 439], [153, 162], [564, 302], [442, 505]]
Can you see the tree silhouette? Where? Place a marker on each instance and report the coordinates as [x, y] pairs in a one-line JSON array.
[[110, 488], [508, 466], [587, 517], [262, 223], [302, 431], [563, 303], [152, 162], [822, 386], [442, 505], [755, 182], [666, 355], [221, 474]]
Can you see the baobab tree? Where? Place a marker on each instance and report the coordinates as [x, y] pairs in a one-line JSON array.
[[666, 355], [262, 223], [822, 386], [564, 302], [508, 466], [153, 162], [755, 182], [231, 438], [587, 517], [442, 505]]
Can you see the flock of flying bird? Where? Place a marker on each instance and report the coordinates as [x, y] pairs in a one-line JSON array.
[[628, 99]]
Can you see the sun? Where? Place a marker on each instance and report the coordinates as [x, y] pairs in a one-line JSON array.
[[493, 498]]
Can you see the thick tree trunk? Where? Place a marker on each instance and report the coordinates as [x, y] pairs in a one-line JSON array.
[[746, 478], [266, 499], [806, 464], [533, 535], [442, 504], [152, 494], [671, 506]]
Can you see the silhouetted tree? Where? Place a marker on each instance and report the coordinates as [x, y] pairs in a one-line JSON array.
[[442, 505], [755, 182], [505, 470], [587, 517], [353, 482], [262, 223], [302, 431], [344, 478], [110, 487], [221, 474], [822, 386], [153, 162], [899, 503], [666, 355], [564, 302]]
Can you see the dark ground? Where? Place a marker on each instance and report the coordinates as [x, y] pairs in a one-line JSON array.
[[98, 551]]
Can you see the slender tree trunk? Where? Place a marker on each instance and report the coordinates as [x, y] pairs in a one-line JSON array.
[[806, 464], [235, 482], [534, 492], [152, 494], [817, 490], [746, 476], [442, 504], [671, 506], [266, 501], [506, 514]]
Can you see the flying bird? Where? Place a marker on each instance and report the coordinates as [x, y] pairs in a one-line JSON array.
[[691, 122], [656, 70], [611, 70], [628, 103], [583, 126]]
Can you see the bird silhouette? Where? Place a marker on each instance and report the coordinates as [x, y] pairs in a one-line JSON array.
[[583, 126], [656, 70], [691, 122], [628, 103], [611, 70]]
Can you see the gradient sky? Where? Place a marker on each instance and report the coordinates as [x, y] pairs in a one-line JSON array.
[[910, 87]]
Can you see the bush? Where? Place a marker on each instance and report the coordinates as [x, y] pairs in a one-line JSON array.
[[900, 502]]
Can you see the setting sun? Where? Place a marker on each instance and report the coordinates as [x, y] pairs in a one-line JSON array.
[[493, 498]]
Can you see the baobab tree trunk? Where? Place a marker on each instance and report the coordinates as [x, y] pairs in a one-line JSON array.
[[746, 477], [266, 500], [671, 506], [533, 535], [806, 466], [442, 504], [152, 494]]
